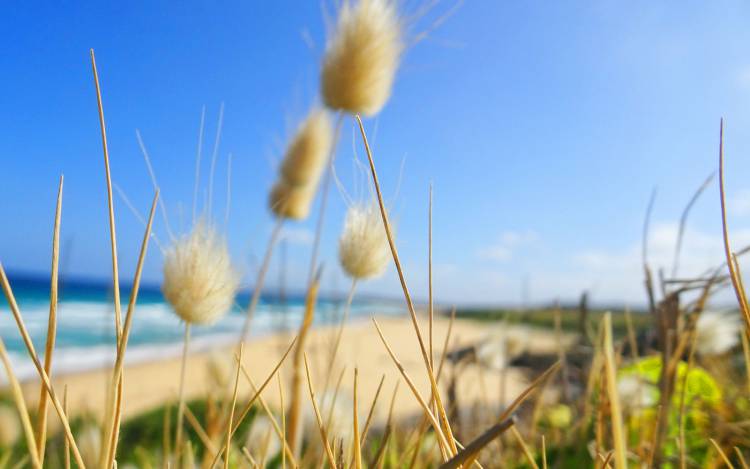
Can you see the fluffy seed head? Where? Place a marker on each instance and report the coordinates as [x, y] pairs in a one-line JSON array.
[[10, 426], [308, 151], [716, 333], [363, 246], [261, 439], [361, 58], [496, 351], [199, 281], [89, 441], [636, 391], [288, 201]]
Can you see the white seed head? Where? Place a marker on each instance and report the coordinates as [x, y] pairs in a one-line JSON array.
[[361, 58], [10, 426], [199, 280], [339, 408], [716, 333], [495, 351], [288, 201], [262, 438], [636, 392], [363, 247], [89, 441], [308, 151]]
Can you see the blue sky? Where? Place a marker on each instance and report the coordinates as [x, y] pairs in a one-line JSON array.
[[543, 126]]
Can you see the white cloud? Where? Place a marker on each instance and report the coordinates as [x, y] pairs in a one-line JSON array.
[[617, 274], [507, 244]]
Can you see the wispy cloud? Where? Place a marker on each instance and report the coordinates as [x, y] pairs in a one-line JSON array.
[[506, 245]]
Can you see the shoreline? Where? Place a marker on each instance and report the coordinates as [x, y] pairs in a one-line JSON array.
[[152, 383]]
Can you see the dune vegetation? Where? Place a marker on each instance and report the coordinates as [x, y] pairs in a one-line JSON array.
[[668, 386]]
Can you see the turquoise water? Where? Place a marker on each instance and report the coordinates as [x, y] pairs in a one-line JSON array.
[[85, 329]]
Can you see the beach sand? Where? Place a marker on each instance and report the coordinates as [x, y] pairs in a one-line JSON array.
[[152, 384]]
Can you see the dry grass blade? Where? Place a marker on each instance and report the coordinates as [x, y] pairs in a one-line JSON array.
[[282, 435], [295, 403], [470, 451], [422, 403], [110, 205], [425, 421], [340, 331], [42, 374], [249, 457], [23, 412], [431, 306], [41, 428], [280, 432], [733, 271], [683, 222], [370, 414], [114, 429], [249, 405], [527, 392], [231, 408], [544, 453], [199, 430], [324, 190], [66, 443], [321, 427], [721, 453], [407, 296], [606, 459], [355, 423], [618, 433], [115, 270], [181, 392], [524, 447], [377, 458], [741, 458], [260, 279]]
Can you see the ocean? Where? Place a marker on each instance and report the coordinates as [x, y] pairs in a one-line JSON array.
[[85, 322]]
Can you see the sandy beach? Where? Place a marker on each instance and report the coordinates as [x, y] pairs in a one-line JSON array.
[[151, 384]]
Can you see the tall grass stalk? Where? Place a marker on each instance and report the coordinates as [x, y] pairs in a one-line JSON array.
[[412, 312], [20, 403], [618, 429], [40, 370], [41, 428]]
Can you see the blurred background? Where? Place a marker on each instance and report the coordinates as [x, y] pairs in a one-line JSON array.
[[542, 127]]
